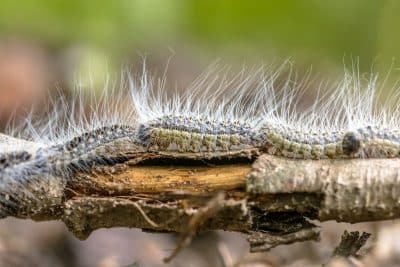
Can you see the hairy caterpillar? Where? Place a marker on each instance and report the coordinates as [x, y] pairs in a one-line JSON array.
[[215, 118]]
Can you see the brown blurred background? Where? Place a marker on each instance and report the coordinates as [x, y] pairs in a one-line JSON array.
[[47, 44]]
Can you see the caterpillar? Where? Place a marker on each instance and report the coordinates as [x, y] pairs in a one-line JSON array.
[[238, 117]]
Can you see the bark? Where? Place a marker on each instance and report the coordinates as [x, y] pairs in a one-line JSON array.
[[272, 200]]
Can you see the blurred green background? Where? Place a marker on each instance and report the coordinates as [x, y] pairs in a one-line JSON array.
[[311, 31], [57, 39], [49, 43]]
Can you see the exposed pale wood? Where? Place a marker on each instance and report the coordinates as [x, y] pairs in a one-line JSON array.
[[165, 179]]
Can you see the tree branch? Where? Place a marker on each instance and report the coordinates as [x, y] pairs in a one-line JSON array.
[[271, 200]]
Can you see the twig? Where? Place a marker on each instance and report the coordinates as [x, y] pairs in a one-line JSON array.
[[350, 244], [199, 218]]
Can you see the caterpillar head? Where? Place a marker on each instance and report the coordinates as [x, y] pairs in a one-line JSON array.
[[368, 142], [352, 143]]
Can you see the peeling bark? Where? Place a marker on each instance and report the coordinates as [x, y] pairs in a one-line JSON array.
[[271, 200]]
